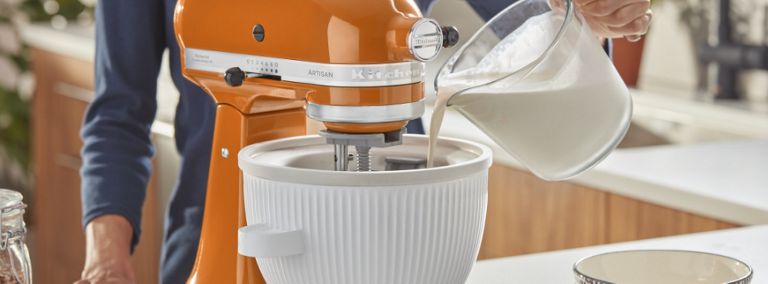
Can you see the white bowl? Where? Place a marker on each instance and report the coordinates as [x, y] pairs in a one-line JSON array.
[[308, 224], [661, 267]]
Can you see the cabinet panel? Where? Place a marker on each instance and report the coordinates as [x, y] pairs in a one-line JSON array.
[[60, 68], [62, 231], [630, 219], [69, 117], [527, 215]]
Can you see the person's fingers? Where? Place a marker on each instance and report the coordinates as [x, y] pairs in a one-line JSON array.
[[599, 29], [625, 15], [633, 38], [557, 5], [579, 3], [82, 282], [601, 8], [638, 26]]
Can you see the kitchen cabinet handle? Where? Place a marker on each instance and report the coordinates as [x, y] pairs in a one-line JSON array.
[[73, 92], [69, 161]]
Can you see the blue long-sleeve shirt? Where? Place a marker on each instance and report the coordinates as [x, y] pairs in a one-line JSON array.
[[131, 37]]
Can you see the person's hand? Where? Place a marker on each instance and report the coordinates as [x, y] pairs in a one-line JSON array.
[[107, 260], [614, 18]]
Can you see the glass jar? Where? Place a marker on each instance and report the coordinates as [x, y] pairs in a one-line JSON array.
[[14, 257]]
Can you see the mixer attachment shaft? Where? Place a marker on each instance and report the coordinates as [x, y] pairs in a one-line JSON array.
[[340, 157], [363, 144]]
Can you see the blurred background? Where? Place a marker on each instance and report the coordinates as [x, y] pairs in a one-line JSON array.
[[17, 79], [690, 162]]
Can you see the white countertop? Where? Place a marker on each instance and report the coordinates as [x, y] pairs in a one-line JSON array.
[[723, 180], [74, 41], [749, 244]]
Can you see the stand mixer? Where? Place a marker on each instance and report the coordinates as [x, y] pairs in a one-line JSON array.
[[356, 66]]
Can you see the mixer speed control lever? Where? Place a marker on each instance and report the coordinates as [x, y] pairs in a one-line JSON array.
[[235, 76]]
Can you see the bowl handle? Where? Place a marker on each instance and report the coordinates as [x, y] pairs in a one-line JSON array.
[[261, 240]]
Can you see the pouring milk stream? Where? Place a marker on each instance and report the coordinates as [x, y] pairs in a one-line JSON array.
[[546, 93]]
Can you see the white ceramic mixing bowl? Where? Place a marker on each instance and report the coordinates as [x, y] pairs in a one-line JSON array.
[[310, 224], [661, 267]]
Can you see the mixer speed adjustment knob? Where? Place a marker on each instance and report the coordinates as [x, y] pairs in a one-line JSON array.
[[234, 76]]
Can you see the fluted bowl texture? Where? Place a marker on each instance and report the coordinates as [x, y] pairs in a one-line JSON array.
[[428, 231]]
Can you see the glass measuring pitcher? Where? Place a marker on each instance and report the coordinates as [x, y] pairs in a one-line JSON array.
[[538, 82], [15, 267]]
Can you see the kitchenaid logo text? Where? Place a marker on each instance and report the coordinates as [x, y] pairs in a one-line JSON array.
[[370, 74], [426, 41]]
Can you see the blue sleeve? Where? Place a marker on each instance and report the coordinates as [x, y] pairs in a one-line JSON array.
[[117, 148], [424, 5], [486, 9]]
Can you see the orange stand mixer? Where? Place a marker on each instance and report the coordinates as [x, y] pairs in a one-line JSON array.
[[357, 66]]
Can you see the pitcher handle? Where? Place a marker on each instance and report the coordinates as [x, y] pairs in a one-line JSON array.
[[261, 240]]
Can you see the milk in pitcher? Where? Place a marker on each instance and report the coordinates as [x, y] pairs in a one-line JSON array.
[[559, 114]]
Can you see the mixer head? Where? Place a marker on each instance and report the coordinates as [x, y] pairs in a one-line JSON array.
[[358, 66]]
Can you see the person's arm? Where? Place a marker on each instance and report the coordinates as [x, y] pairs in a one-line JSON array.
[[117, 148], [108, 242]]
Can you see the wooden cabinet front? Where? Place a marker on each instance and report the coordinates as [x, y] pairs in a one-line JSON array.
[[528, 215]]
